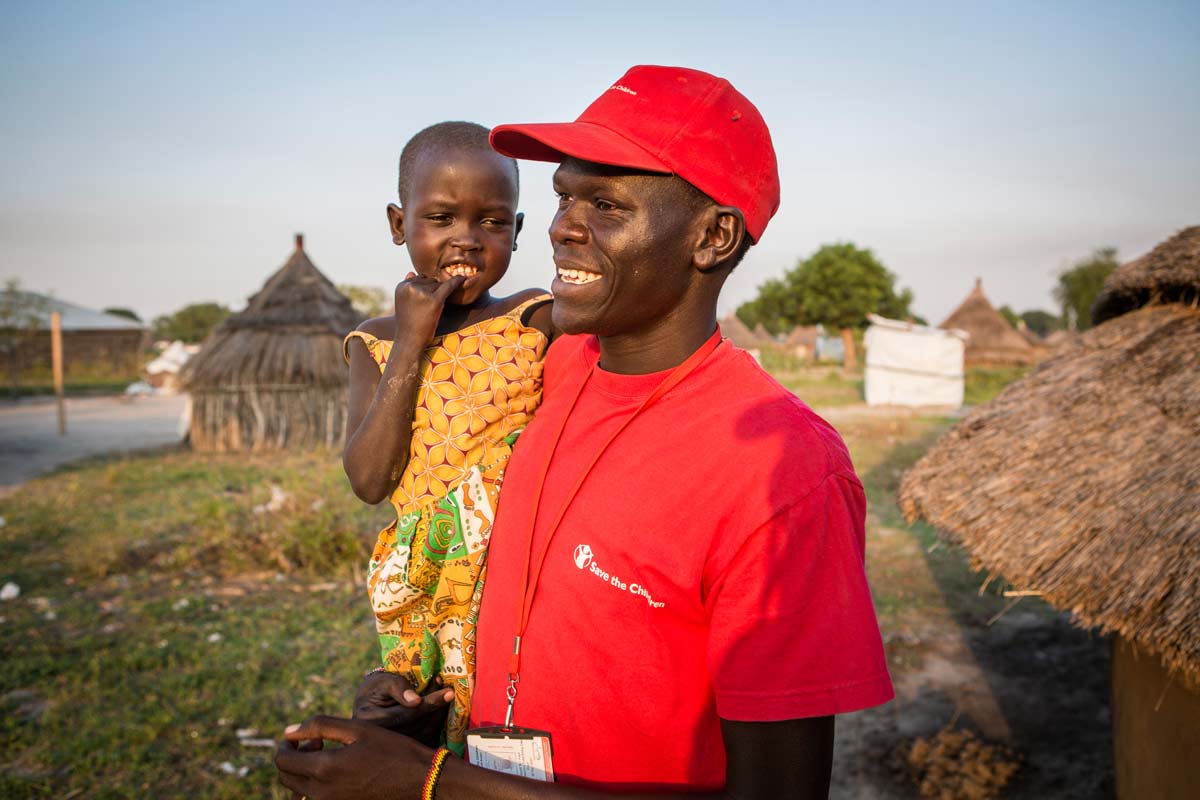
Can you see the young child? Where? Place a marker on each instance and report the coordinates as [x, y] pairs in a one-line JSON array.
[[438, 394]]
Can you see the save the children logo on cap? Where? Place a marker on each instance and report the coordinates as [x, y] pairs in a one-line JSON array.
[[585, 560]]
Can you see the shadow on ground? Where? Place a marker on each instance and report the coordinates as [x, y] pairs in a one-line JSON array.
[[1015, 672]]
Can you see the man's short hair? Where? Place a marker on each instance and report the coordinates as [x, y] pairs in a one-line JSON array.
[[453, 135]]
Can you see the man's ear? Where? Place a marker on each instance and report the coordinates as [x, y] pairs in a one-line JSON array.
[[517, 225], [395, 216], [724, 232]]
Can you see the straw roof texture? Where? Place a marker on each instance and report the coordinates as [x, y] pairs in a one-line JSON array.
[[992, 340], [1170, 273], [733, 329], [803, 336], [1082, 480], [290, 333]]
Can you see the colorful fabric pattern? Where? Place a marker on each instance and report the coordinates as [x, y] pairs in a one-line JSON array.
[[479, 388]]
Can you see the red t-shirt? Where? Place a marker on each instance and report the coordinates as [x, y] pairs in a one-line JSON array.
[[711, 565]]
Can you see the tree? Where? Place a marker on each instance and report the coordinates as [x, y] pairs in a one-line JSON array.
[[370, 301], [21, 315], [191, 323], [127, 313], [1080, 285], [1041, 322], [836, 287], [1010, 315]]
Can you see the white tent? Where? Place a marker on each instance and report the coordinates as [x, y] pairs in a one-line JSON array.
[[913, 365]]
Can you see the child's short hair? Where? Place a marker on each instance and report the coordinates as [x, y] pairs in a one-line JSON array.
[[454, 135]]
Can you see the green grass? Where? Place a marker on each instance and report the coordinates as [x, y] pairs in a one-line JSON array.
[[823, 386], [983, 383], [74, 387], [160, 613]]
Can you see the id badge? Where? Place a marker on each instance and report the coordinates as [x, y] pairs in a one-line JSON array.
[[513, 751]]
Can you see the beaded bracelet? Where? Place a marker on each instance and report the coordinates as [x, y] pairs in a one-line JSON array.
[[435, 771], [371, 672]]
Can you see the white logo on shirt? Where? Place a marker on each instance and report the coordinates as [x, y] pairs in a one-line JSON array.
[[584, 559], [621, 88]]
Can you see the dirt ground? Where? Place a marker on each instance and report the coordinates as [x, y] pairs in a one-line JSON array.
[[1010, 670], [30, 444], [1038, 686]]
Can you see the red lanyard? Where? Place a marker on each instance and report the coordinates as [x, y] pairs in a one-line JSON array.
[[533, 569]]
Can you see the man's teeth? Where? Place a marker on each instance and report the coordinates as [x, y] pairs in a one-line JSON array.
[[465, 270], [577, 276]]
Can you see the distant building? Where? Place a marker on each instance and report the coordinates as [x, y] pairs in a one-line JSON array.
[[830, 348], [95, 344], [733, 329], [912, 365], [163, 372], [802, 342]]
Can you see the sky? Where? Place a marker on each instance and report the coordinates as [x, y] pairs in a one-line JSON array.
[[154, 155]]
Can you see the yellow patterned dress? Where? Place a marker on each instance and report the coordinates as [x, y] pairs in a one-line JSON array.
[[479, 388]]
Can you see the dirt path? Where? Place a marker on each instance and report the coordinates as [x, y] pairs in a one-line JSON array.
[[30, 444]]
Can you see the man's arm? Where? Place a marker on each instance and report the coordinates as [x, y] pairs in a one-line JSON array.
[[789, 759]]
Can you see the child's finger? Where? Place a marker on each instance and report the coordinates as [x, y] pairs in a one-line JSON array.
[[448, 288], [400, 691]]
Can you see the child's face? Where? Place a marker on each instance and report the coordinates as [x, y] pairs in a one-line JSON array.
[[460, 219]]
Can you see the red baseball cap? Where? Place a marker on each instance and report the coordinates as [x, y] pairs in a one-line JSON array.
[[673, 120]]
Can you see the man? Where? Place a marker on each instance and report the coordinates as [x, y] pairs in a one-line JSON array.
[[676, 592]]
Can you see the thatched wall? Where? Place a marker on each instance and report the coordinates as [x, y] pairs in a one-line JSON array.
[[268, 417]]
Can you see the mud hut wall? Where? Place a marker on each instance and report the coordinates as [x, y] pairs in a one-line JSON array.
[[95, 353], [1156, 727]]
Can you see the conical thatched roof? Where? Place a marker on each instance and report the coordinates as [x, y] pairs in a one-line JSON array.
[[1082, 480], [803, 336], [733, 329], [289, 333], [992, 340], [1170, 273]]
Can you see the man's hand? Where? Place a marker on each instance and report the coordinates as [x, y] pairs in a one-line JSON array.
[[372, 763], [388, 700], [419, 303]]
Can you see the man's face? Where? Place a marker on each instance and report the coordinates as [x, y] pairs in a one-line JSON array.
[[623, 242], [460, 219]]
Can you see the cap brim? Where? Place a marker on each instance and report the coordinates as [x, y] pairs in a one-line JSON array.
[[554, 141]]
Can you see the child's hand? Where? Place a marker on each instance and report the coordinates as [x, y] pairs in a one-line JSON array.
[[388, 700], [419, 302]]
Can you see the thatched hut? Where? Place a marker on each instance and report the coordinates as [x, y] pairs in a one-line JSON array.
[[802, 342], [1081, 482], [273, 376], [992, 342], [736, 331]]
